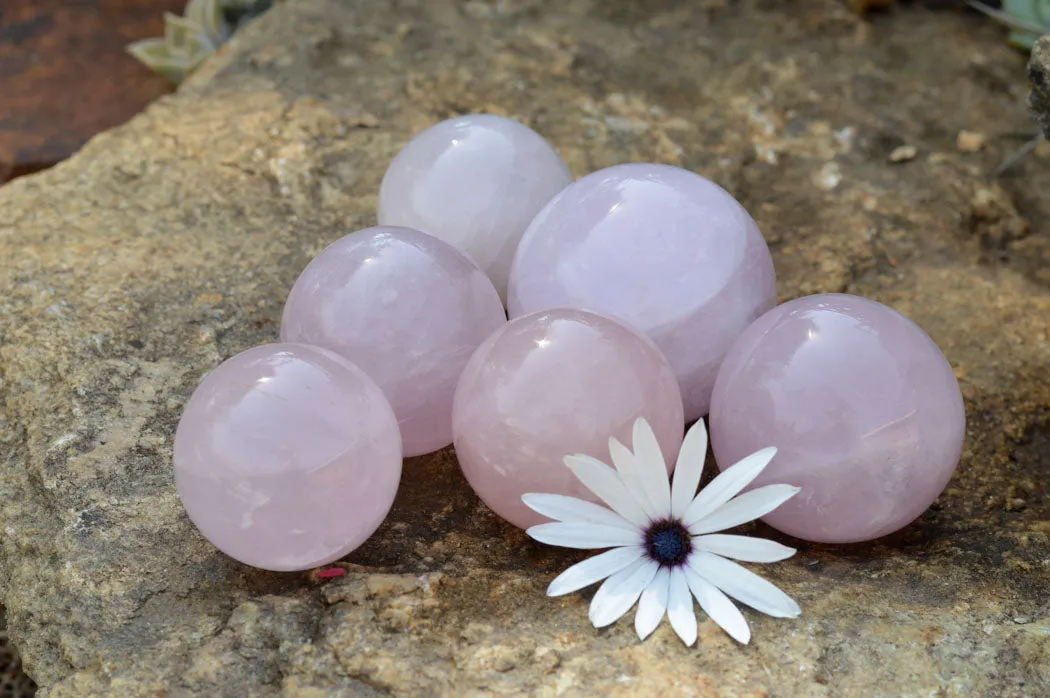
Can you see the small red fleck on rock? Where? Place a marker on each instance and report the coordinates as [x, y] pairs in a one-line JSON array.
[[331, 573]]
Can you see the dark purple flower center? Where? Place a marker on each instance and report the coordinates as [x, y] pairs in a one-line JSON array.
[[668, 543]]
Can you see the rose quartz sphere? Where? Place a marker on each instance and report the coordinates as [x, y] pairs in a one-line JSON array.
[[287, 457], [659, 248], [551, 384], [863, 407], [474, 181], [409, 310]]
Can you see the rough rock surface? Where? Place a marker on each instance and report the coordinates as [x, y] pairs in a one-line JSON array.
[[169, 244], [1039, 76]]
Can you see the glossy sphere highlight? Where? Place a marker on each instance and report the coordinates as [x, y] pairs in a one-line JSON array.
[[552, 384], [863, 407], [287, 457], [659, 248], [475, 182], [409, 310]]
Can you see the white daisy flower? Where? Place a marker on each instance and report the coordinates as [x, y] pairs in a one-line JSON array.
[[663, 540]]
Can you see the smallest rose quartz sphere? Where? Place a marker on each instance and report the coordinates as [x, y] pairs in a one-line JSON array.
[[409, 310], [475, 181], [551, 384], [659, 248], [863, 408], [287, 457]]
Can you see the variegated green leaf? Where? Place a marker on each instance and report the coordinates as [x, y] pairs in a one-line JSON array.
[[177, 31], [1032, 21], [1027, 19], [1034, 14], [189, 39], [154, 54], [149, 50], [206, 14]]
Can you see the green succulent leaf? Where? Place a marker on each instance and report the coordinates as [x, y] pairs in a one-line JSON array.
[[1034, 21], [207, 14], [1034, 13], [178, 33], [149, 50], [1027, 19], [155, 54], [189, 39], [186, 36]]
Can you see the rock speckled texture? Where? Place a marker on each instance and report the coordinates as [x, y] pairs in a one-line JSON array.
[[170, 243], [1039, 75]]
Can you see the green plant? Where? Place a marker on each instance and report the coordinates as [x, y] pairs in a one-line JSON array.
[[1027, 19], [188, 40]]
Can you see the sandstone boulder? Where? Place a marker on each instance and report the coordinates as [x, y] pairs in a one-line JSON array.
[[168, 244]]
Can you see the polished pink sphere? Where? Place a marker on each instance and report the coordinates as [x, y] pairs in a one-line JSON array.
[[409, 310], [475, 181], [287, 457], [662, 250], [862, 406], [552, 384]]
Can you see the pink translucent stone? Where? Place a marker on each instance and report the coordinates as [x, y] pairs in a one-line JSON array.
[[409, 310], [551, 384], [863, 407], [287, 457], [475, 182], [659, 248]]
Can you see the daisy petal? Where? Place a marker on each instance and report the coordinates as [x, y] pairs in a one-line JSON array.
[[744, 585], [747, 507], [680, 607], [613, 584], [583, 535], [718, 607], [743, 548], [562, 508], [727, 485], [604, 482], [652, 605], [619, 592], [593, 569], [627, 466], [688, 468], [651, 464]]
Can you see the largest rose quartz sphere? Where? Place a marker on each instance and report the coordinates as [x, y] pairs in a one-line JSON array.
[[552, 384], [409, 310], [474, 181], [863, 407], [665, 251], [287, 457]]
